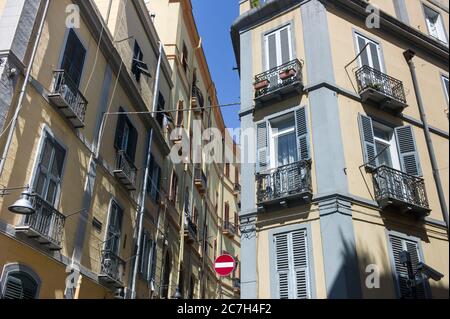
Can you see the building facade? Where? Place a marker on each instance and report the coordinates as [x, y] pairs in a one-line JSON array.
[[87, 105], [349, 105]]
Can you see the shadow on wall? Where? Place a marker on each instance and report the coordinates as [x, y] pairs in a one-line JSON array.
[[375, 255]]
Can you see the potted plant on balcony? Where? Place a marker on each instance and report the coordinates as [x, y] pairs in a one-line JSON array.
[[261, 84], [375, 86], [288, 73]]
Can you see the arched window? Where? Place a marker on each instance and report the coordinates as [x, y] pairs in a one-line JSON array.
[[19, 282]]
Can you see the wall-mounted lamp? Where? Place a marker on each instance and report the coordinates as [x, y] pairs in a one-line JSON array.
[[22, 206]]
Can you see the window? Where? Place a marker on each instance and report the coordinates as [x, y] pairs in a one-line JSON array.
[[160, 107], [174, 187], [371, 56], [278, 46], [292, 265], [126, 136], [73, 58], [114, 232], [398, 245], [283, 140], [227, 170], [184, 58], [154, 179], [386, 146], [20, 285], [179, 121], [400, 150], [166, 277], [236, 221], [446, 88], [47, 182], [434, 24], [236, 175], [137, 61], [195, 216], [187, 204], [146, 256], [226, 216]]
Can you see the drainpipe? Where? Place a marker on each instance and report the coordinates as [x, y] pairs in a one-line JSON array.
[[158, 71], [24, 87], [409, 55], [141, 217]]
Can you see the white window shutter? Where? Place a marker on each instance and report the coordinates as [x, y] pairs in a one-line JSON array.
[[407, 149], [292, 265], [262, 146], [301, 126], [367, 140]]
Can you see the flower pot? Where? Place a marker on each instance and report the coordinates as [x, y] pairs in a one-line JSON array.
[[286, 74], [261, 85]]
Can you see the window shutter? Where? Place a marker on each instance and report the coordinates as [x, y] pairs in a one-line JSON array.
[[73, 59], [285, 49], [272, 48], [375, 58], [399, 245], [364, 55], [282, 264], [367, 140], [262, 146], [300, 257], [143, 253], [119, 130], [156, 179], [301, 125], [407, 149], [14, 289], [132, 143]]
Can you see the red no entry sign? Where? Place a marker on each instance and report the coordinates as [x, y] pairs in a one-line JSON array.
[[224, 265]]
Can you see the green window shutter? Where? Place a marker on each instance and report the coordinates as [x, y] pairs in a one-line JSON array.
[[367, 140], [132, 143], [301, 125], [14, 289], [407, 149], [262, 146], [20, 286], [121, 118], [399, 245], [300, 260], [282, 262]]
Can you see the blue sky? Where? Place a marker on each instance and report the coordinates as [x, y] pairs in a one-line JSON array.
[[214, 19]]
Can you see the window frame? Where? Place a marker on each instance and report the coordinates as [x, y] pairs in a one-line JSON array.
[[445, 86], [440, 20], [18, 268], [63, 50], [392, 142], [114, 201], [277, 32], [380, 52]]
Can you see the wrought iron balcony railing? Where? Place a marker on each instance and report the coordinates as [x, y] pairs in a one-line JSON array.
[[229, 229], [112, 268], [396, 188], [198, 101], [46, 225], [285, 182], [382, 88], [68, 98], [190, 228], [283, 79], [236, 284], [125, 170], [200, 179]]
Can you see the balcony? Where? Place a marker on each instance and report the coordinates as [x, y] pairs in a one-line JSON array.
[[45, 226], [200, 180], [403, 192], [68, 99], [229, 229], [197, 102], [125, 171], [278, 83], [112, 270], [236, 188], [381, 89], [284, 184], [190, 229]]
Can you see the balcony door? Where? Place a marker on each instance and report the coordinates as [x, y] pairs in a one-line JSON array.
[[278, 50], [371, 55], [73, 58], [283, 141], [114, 232]]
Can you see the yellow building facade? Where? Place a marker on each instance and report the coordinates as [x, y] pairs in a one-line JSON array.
[[86, 92], [349, 105]]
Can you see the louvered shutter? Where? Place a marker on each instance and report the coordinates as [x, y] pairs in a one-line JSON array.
[[262, 146], [132, 143], [282, 264], [73, 59], [407, 149], [285, 48], [399, 245], [367, 140], [292, 265], [301, 125], [300, 260], [20, 286]]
